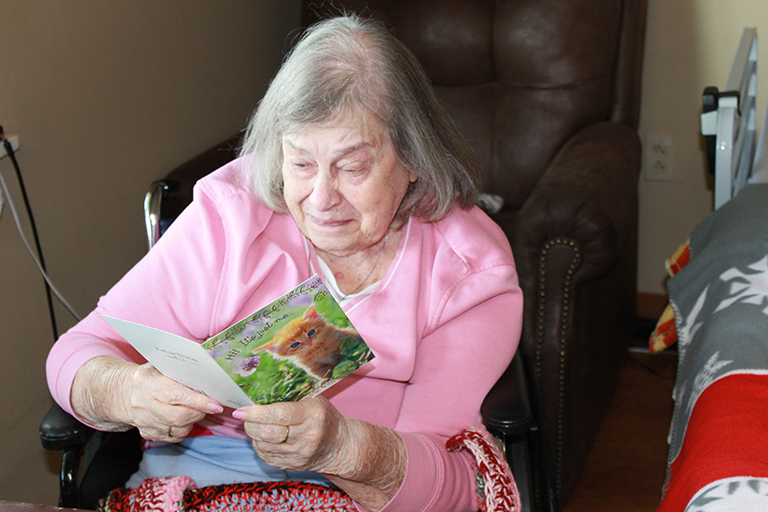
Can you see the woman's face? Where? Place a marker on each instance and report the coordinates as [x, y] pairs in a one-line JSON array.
[[343, 184]]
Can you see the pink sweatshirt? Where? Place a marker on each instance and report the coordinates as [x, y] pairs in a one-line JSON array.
[[443, 324]]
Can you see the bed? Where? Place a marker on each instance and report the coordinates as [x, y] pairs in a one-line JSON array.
[[718, 315]]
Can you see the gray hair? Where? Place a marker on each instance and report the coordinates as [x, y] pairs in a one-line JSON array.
[[350, 65]]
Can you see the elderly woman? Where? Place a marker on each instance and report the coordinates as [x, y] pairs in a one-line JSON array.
[[350, 170]]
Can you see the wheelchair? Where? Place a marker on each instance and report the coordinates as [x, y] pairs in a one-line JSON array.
[[93, 463]]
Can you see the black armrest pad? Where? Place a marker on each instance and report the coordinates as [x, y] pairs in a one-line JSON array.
[[59, 430], [507, 407]]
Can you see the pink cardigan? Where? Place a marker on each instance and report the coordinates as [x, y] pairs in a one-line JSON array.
[[443, 323]]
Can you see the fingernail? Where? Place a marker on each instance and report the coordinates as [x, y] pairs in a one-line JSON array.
[[238, 415], [216, 409]]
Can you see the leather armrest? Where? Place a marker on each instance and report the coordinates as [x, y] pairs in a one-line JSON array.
[[507, 407], [59, 430], [588, 195]]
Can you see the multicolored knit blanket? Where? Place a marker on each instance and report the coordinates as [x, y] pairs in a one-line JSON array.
[[180, 494], [496, 490]]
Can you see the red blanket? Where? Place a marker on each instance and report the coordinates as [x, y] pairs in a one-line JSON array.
[[727, 436]]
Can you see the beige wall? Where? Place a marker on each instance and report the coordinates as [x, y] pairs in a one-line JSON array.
[[106, 96], [690, 45]]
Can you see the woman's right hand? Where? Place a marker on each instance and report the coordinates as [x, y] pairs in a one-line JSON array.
[[162, 409], [112, 394]]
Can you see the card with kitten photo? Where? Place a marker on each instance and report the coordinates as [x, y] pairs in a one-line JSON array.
[[295, 347]]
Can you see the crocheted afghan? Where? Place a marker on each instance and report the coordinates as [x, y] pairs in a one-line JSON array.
[[179, 494], [496, 489]]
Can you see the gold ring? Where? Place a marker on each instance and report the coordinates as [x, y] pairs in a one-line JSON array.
[[287, 432], [170, 430]]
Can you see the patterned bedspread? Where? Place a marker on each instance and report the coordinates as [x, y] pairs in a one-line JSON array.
[[720, 300]]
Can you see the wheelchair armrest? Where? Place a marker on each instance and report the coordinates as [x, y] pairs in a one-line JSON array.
[[507, 407], [153, 221], [59, 430], [513, 409]]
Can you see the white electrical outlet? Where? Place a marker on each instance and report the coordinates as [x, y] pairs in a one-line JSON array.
[[657, 158], [14, 140]]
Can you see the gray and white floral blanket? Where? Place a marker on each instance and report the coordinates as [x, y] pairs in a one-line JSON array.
[[720, 300]]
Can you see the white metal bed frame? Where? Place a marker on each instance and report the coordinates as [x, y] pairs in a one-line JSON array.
[[729, 125]]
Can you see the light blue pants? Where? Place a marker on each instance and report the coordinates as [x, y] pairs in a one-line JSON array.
[[214, 460]]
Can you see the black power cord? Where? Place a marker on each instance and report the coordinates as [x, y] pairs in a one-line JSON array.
[[10, 153]]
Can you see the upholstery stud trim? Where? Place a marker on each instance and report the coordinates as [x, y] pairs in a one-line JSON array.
[[564, 325]]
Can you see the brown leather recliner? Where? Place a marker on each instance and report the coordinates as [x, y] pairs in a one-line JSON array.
[[548, 93]]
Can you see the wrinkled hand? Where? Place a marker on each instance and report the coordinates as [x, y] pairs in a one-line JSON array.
[[159, 406], [297, 436], [365, 460]]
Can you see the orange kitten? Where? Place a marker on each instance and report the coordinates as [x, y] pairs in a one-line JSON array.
[[311, 343]]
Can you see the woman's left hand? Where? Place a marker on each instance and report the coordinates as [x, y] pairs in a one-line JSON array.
[[365, 460], [296, 436]]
